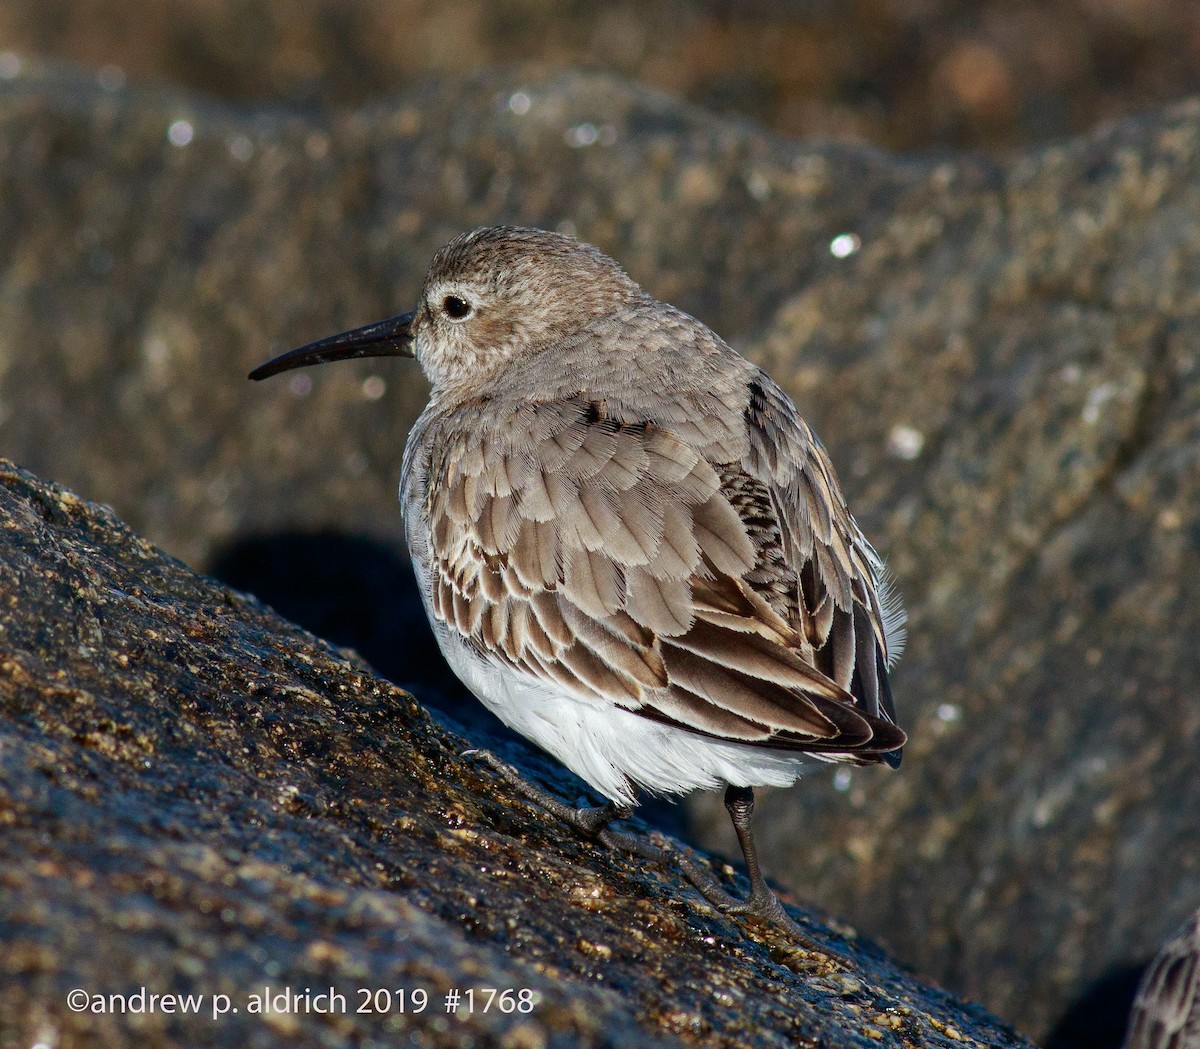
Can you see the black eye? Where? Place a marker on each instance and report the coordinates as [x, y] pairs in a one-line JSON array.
[[455, 307]]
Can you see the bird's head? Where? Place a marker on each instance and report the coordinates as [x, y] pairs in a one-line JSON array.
[[490, 297]]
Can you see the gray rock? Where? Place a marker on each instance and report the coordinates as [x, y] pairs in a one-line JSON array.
[[1006, 373], [1003, 370], [200, 799], [142, 280]]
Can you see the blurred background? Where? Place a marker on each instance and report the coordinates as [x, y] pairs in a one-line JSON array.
[[905, 74], [998, 357]]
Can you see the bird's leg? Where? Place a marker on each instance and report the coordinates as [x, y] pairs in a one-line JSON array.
[[594, 821], [762, 902], [590, 820], [739, 803]]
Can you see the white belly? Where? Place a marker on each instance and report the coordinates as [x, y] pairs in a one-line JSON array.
[[614, 750]]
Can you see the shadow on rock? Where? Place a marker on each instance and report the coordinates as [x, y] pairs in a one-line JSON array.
[[1099, 1017], [357, 592]]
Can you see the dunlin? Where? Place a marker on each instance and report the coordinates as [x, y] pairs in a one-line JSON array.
[[629, 544], [1166, 1011]]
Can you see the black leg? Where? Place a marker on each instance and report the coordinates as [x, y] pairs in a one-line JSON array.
[[762, 902], [739, 803], [594, 822]]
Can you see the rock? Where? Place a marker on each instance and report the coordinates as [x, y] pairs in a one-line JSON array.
[[1005, 374], [991, 74], [144, 279], [999, 355], [199, 798]]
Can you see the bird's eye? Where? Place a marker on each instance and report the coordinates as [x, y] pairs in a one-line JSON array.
[[456, 308]]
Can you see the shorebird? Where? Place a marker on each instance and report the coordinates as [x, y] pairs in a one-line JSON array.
[[630, 546], [1166, 1011]]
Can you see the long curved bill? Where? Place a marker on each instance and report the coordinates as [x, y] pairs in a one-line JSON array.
[[390, 338]]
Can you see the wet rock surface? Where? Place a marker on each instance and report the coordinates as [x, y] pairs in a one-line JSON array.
[[198, 798], [1001, 358]]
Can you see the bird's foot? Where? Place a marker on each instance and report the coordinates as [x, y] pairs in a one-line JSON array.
[[594, 822], [591, 820], [761, 903]]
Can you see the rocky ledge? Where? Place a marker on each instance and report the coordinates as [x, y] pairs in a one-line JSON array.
[[201, 800]]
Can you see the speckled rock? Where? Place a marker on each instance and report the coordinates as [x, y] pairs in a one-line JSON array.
[[1000, 357], [199, 799]]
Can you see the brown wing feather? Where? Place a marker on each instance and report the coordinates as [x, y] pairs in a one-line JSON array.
[[663, 567], [841, 614], [1166, 1011]]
